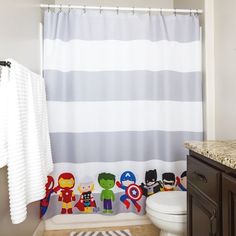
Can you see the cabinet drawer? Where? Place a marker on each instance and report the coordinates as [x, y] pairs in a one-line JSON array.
[[204, 177]]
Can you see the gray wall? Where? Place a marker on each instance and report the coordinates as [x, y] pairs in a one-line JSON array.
[[225, 68], [19, 39], [128, 3], [19, 35]]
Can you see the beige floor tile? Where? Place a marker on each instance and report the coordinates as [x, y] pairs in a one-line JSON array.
[[139, 230]]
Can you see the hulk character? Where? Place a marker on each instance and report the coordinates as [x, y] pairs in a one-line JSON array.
[[107, 182]]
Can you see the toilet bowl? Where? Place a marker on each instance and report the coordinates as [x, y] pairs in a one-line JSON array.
[[168, 211]]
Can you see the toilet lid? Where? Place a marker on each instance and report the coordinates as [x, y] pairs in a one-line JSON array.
[[174, 202]]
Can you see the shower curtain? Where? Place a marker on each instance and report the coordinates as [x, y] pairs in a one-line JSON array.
[[124, 91]]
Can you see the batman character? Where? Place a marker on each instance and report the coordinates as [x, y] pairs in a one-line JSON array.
[[151, 185]]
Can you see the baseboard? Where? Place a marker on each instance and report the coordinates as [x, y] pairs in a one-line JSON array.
[[61, 222], [40, 229]]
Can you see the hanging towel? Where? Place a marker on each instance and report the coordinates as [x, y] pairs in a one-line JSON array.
[[29, 158], [3, 117]]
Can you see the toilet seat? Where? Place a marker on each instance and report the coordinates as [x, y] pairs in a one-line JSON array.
[[182, 218], [168, 203]]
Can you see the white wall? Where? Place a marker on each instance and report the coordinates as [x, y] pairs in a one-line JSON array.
[[128, 3], [225, 54]]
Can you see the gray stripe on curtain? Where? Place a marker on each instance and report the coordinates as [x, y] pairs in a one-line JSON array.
[[123, 85], [120, 146], [125, 26]]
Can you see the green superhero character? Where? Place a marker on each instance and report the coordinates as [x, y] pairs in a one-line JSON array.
[[107, 182]]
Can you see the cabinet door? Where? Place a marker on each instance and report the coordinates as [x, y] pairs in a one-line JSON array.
[[203, 216], [229, 205]]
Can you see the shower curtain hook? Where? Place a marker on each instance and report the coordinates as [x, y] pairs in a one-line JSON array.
[[197, 12], [149, 11], [133, 10], [48, 7], [60, 8], [161, 12], [100, 10], [190, 12], [69, 8], [84, 9], [175, 12], [117, 10]]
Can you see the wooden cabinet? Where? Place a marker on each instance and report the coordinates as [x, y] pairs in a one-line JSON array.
[[211, 197], [205, 178], [229, 205], [203, 216]]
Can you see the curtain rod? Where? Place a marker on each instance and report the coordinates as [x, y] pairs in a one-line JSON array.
[[133, 9]]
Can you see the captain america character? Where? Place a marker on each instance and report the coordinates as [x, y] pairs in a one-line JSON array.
[[133, 192]]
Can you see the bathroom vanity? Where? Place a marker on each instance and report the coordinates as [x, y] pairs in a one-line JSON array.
[[211, 170]]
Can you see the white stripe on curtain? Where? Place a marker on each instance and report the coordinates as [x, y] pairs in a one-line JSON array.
[[79, 117], [115, 55]]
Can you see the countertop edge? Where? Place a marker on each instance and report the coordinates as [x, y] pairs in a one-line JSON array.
[[223, 152]]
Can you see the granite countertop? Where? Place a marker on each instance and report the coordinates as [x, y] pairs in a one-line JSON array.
[[220, 151]]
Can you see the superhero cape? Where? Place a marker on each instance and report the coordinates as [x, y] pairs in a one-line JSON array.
[[80, 204]]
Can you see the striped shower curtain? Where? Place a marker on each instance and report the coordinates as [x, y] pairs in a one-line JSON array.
[[124, 92]]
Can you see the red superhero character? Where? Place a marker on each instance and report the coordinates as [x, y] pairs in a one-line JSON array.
[[66, 183], [49, 190]]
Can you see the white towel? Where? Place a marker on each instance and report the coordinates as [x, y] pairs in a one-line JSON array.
[[3, 115], [28, 147]]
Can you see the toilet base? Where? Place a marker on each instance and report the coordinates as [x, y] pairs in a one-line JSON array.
[[165, 233]]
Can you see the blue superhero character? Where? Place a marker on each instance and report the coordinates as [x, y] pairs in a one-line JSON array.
[[133, 192]]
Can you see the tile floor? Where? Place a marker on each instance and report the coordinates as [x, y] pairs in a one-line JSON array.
[[139, 230]]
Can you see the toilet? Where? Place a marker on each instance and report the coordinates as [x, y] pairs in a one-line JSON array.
[[168, 212]]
